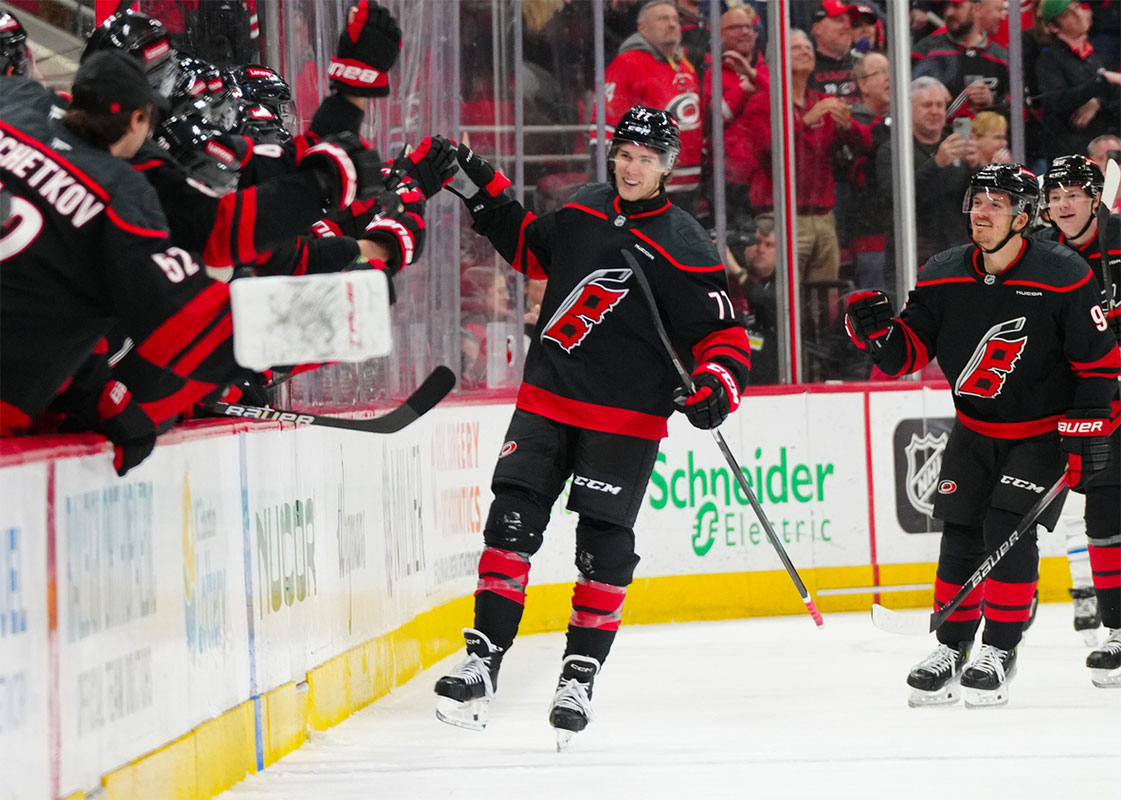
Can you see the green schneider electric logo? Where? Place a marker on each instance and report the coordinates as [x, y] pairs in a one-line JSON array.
[[723, 511]]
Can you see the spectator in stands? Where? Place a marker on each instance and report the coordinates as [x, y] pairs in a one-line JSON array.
[[871, 217], [821, 123], [926, 18], [990, 15], [1104, 147], [833, 38], [990, 134], [760, 290], [651, 70], [867, 30], [971, 66], [1079, 95], [694, 33], [942, 166], [744, 72]]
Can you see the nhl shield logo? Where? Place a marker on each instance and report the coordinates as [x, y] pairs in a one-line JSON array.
[[924, 462]]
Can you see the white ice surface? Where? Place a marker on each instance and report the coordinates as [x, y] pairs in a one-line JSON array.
[[762, 708]]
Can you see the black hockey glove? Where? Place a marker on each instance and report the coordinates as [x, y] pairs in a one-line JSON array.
[[368, 49], [868, 319], [715, 396], [344, 169], [123, 422], [477, 182], [400, 227], [1084, 436], [430, 167]]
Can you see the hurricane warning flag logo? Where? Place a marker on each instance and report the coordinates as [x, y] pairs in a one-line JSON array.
[[586, 306]]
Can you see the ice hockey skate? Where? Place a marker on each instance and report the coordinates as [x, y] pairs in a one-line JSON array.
[[935, 681], [1105, 662], [985, 681], [571, 710], [465, 693], [1087, 617]]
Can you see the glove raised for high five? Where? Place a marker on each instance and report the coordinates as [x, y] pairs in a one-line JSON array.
[[1084, 436], [400, 226], [715, 396], [477, 182], [344, 169], [868, 319], [430, 167], [368, 48]]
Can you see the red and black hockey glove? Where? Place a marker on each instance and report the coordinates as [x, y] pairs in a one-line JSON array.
[[123, 422], [400, 227], [1085, 439], [868, 319], [430, 167], [477, 182], [368, 49], [344, 168], [715, 396]]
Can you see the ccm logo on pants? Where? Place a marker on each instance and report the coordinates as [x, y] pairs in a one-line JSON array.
[[599, 486], [1020, 483]]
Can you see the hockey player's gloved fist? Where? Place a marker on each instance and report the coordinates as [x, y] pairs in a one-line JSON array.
[[715, 396], [400, 227], [868, 319], [344, 169], [477, 182], [368, 49], [123, 422], [1084, 436], [430, 167]]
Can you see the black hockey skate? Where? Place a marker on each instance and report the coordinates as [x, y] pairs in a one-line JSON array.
[[1087, 617], [1105, 662], [935, 681], [985, 681], [571, 710], [465, 694]]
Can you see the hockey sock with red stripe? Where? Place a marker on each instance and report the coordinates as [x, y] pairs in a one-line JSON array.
[[1007, 609], [1105, 563], [962, 624], [500, 594], [597, 609]]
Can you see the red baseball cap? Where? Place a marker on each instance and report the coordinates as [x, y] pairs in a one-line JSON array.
[[834, 8]]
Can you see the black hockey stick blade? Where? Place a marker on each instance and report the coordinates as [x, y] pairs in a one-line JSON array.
[[911, 624], [734, 467], [434, 389]]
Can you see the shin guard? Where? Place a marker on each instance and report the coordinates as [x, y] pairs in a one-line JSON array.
[[1007, 608], [962, 624], [500, 594], [597, 609], [1105, 562]]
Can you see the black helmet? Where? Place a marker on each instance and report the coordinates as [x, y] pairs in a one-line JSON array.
[[210, 156], [143, 38], [650, 127], [1019, 183], [200, 87], [260, 124], [264, 86], [1073, 171], [13, 46]]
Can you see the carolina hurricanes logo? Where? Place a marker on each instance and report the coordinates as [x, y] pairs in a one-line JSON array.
[[993, 360], [585, 306], [947, 487], [507, 449], [686, 109]]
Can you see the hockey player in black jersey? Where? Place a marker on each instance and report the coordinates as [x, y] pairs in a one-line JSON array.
[[1017, 328], [596, 394], [1072, 188]]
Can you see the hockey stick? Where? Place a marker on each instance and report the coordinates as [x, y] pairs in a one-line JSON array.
[[1109, 197], [435, 387], [915, 625], [733, 465]]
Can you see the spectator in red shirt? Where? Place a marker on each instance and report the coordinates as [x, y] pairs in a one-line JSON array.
[[833, 39], [651, 70]]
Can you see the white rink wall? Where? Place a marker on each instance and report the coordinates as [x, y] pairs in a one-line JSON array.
[[196, 600]]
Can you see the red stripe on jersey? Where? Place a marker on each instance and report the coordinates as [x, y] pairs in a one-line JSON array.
[[937, 281], [1011, 430], [586, 210], [180, 329], [12, 419], [246, 247], [970, 608], [167, 407], [102, 346], [1111, 360], [529, 266], [672, 260], [731, 341], [618, 210], [1008, 602], [69, 166], [218, 252], [301, 267], [590, 416], [149, 164], [206, 346], [1049, 287], [136, 230], [917, 354]]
